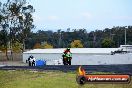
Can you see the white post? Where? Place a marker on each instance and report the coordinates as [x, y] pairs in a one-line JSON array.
[[125, 36]]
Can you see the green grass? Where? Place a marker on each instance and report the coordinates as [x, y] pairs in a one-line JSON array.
[[47, 79]]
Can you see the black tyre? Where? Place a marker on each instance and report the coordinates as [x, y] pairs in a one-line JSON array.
[[65, 61], [81, 80], [69, 62]]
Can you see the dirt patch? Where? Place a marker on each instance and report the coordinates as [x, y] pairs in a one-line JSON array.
[[13, 63]]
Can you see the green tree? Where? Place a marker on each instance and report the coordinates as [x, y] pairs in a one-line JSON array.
[[107, 43], [4, 42], [17, 20], [26, 24], [37, 46], [76, 44], [4, 31], [17, 47], [46, 45]]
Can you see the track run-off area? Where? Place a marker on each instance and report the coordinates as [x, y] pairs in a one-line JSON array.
[[119, 69]]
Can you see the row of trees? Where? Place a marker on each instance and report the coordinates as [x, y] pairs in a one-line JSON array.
[[109, 37], [16, 22], [42, 46], [74, 44]]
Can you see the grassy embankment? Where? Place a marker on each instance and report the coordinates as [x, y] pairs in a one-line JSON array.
[[47, 79]]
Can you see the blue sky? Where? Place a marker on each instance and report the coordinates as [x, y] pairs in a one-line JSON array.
[[75, 14]]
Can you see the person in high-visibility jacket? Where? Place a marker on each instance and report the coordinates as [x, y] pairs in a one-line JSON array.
[[67, 56]]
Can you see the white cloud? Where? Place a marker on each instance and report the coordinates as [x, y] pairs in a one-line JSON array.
[[87, 15], [123, 17], [37, 18], [42, 19], [52, 18]]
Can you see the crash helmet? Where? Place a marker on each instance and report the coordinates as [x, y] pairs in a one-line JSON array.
[[31, 56], [68, 48]]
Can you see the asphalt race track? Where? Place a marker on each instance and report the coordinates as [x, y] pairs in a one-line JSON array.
[[120, 69]]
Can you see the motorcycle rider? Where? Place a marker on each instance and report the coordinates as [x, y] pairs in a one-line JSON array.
[[67, 56]]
